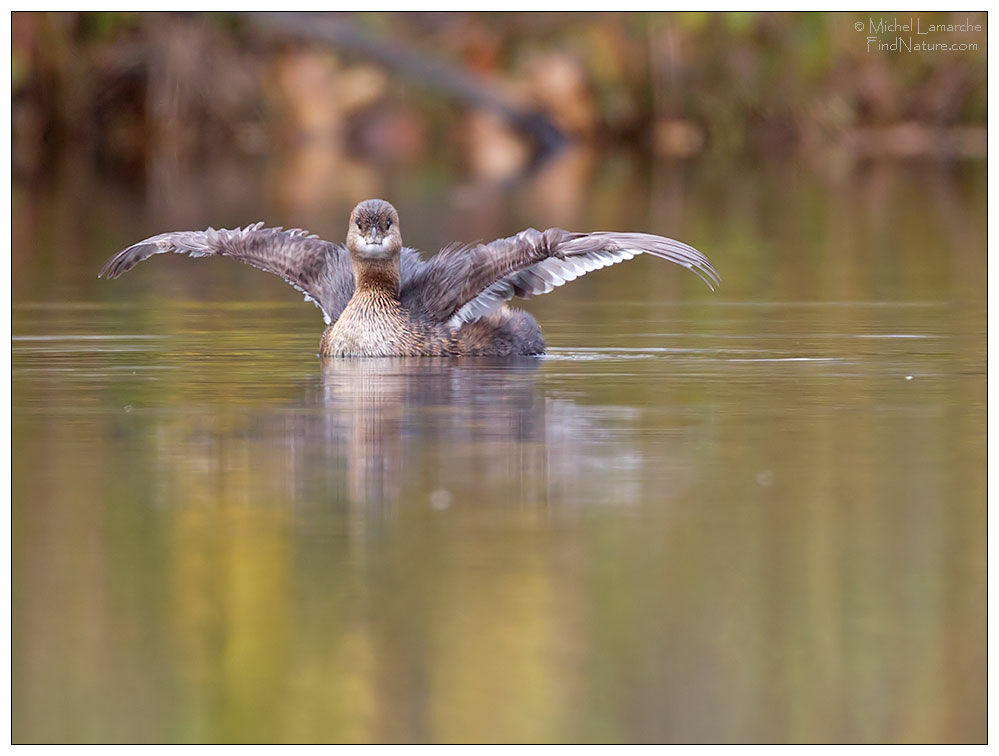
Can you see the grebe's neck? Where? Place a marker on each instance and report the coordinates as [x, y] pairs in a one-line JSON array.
[[377, 276]]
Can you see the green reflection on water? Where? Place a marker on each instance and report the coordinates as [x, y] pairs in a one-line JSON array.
[[755, 515]]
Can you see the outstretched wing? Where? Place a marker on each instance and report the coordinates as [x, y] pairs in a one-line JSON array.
[[319, 269], [462, 284]]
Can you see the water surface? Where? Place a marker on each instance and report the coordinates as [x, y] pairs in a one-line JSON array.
[[754, 515]]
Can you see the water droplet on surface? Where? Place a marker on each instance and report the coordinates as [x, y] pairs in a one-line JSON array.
[[765, 477], [440, 499]]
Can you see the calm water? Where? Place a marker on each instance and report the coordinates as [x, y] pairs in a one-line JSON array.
[[754, 515]]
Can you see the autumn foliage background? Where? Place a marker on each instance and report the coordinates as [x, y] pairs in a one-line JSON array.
[[122, 89]]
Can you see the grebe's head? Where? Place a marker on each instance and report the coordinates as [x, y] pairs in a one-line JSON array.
[[373, 232]]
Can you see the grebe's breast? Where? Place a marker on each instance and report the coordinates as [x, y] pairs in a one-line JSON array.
[[373, 325]]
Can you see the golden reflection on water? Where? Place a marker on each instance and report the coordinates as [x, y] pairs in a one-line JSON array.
[[454, 552], [700, 518]]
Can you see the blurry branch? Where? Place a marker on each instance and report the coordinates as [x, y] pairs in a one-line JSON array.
[[347, 37]]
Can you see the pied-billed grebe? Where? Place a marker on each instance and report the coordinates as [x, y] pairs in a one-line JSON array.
[[380, 299]]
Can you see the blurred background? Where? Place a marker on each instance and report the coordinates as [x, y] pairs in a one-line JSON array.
[[755, 515], [129, 90]]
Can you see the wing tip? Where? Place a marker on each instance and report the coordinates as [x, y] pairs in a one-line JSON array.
[[710, 275], [127, 259], [111, 268], [691, 258]]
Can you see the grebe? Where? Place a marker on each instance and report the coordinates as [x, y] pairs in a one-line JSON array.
[[380, 299]]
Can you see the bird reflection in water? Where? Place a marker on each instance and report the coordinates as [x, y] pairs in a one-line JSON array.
[[481, 432], [362, 440], [433, 424]]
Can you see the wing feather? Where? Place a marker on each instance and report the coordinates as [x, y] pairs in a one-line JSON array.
[[533, 263], [461, 284], [318, 269]]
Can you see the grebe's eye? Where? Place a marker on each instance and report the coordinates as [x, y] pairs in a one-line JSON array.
[[388, 225], [358, 224]]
